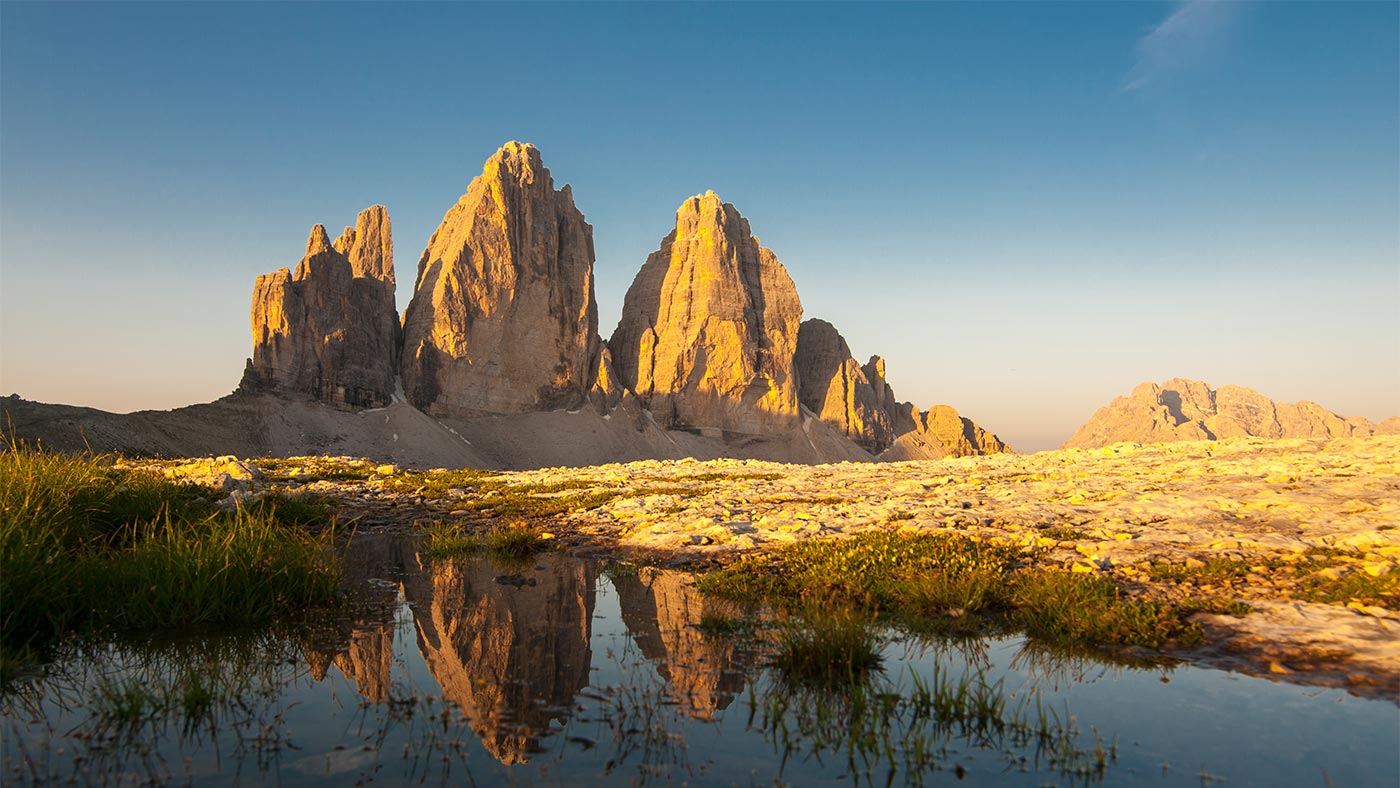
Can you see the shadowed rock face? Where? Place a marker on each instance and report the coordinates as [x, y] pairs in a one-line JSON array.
[[939, 432], [330, 330], [858, 401], [511, 656], [709, 327], [839, 391], [662, 610], [503, 317], [1190, 410]]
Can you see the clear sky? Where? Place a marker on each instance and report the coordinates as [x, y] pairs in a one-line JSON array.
[[1027, 209]]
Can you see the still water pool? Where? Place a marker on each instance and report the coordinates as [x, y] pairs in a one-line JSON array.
[[563, 671]]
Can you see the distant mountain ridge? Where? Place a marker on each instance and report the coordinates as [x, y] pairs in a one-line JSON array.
[[1190, 410]]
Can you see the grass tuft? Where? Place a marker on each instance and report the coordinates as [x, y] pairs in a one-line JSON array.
[[949, 583], [86, 543], [829, 647], [516, 539]]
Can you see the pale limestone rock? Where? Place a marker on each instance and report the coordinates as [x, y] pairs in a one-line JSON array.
[[503, 317], [709, 327], [939, 432], [839, 391], [369, 245], [606, 393], [330, 331], [1185, 410]]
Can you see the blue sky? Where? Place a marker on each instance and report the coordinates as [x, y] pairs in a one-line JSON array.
[[1026, 208]]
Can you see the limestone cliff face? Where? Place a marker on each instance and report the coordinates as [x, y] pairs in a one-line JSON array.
[[662, 610], [1188, 410], [512, 656], [330, 330], [709, 327], [839, 390], [503, 317], [939, 432], [369, 245]]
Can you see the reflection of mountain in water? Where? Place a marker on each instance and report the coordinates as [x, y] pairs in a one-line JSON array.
[[511, 655], [361, 644], [662, 609]]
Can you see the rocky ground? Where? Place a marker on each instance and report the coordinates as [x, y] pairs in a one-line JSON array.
[[1304, 532]]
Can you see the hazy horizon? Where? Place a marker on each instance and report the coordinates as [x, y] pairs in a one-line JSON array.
[[1026, 210]]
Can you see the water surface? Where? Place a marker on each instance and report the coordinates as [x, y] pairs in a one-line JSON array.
[[563, 671]]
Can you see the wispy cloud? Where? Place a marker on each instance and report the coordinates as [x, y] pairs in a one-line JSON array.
[[1187, 36]]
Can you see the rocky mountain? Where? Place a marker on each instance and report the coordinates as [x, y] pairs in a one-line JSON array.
[[709, 327], [497, 361], [1190, 410], [858, 402], [840, 391], [503, 317], [330, 330], [937, 433]]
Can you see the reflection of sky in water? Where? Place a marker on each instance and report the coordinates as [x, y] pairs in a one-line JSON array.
[[657, 699]]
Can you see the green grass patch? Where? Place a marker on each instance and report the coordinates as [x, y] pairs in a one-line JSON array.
[[437, 485], [490, 494], [86, 543], [899, 517], [315, 469], [948, 582], [720, 626], [1316, 579], [1357, 586], [524, 502], [510, 540], [831, 645], [1059, 606]]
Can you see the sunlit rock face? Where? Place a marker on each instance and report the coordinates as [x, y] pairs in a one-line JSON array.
[[939, 432], [662, 610], [512, 656], [330, 330], [1187, 410], [839, 391], [709, 327], [503, 317], [369, 245]]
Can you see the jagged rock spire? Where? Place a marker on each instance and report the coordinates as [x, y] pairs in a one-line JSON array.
[[503, 317], [709, 327]]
